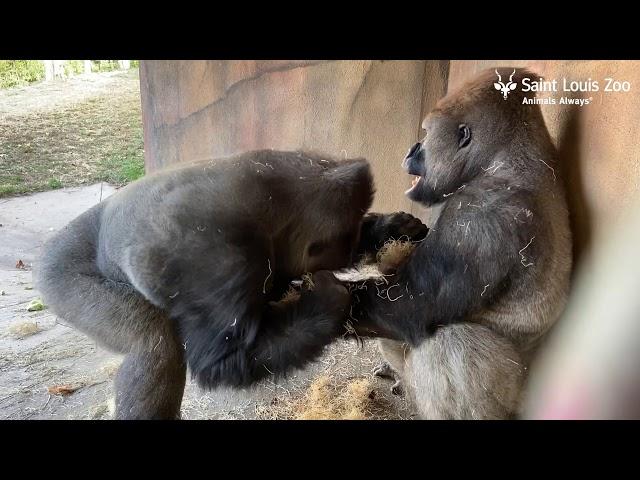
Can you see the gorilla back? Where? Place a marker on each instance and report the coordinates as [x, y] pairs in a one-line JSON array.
[[189, 264]]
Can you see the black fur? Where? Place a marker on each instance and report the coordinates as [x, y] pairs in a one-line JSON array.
[[188, 266], [487, 162], [378, 228], [444, 279]]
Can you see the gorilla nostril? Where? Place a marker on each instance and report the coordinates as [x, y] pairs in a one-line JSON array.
[[413, 150]]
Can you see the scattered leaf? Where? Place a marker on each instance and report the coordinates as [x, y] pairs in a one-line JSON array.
[[28, 288], [35, 305], [62, 390]]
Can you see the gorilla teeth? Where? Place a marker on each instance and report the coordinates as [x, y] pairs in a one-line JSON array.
[[414, 183]]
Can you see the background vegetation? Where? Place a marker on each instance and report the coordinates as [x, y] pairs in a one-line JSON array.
[[83, 130], [16, 73], [20, 72]]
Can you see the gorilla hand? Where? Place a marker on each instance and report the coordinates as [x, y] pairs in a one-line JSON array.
[[377, 228], [326, 290]]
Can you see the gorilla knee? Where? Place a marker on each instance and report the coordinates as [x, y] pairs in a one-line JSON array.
[[465, 371]]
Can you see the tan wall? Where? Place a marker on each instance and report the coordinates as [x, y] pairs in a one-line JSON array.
[[204, 109]]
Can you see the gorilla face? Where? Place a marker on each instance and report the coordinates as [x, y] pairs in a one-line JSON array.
[[438, 162], [311, 250], [333, 253], [316, 238]]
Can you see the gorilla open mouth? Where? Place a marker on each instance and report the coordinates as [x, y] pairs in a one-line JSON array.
[[414, 184]]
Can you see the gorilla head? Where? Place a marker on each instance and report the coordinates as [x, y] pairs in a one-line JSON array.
[[467, 133], [324, 203]]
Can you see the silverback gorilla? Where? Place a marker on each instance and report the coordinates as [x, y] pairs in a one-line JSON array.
[[462, 315], [190, 264]]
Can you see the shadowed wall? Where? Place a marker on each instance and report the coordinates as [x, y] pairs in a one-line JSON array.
[[205, 109]]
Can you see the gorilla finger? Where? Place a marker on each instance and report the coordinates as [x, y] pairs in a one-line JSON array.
[[325, 278]]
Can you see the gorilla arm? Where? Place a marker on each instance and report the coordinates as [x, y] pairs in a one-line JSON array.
[[232, 334], [266, 340], [377, 228], [456, 271]]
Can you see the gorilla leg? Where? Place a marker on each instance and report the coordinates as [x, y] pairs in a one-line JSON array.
[[465, 371], [150, 381], [394, 354]]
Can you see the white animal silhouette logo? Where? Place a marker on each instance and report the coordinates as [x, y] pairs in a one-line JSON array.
[[505, 89]]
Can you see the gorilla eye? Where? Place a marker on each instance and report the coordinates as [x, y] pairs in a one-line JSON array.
[[464, 135], [316, 248]]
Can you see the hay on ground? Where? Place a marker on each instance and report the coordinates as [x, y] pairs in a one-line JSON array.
[[327, 398], [23, 329], [110, 368]]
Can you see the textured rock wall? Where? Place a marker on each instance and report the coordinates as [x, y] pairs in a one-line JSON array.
[[204, 109]]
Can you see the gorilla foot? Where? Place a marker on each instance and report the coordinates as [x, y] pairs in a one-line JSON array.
[[384, 370], [396, 388]]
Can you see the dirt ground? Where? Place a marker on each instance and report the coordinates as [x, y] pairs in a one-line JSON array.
[[38, 351], [79, 131]]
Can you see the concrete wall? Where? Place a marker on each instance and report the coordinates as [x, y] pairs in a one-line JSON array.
[[203, 109]]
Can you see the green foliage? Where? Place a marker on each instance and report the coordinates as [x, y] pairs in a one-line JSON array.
[[132, 168], [104, 65], [15, 73], [54, 183], [110, 65], [73, 67], [126, 164], [99, 139], [7, 190], [35, 305]]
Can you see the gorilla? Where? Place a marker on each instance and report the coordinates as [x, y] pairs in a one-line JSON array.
[[187, 266], [460, 316]]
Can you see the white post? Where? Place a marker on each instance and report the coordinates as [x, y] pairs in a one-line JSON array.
[[87, 66], [48, 69], [58, 68], [124, 64]]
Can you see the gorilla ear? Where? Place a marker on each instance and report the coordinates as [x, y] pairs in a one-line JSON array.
[[354, 176], [351, 173], [464, 135]]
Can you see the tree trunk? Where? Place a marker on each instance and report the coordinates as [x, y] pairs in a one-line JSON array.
[[48, 69], [58, 68]]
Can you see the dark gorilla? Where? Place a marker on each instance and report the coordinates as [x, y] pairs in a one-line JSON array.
[[471, 304], [187, 267]]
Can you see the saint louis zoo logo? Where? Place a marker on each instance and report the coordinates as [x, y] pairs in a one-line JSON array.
[[505, 89], [577, 89]]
